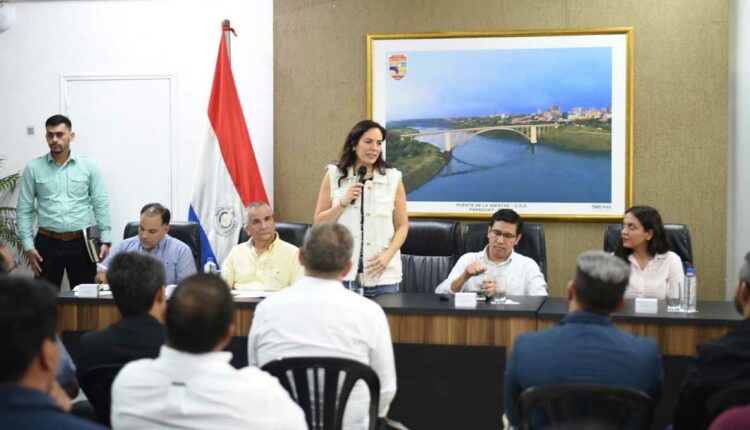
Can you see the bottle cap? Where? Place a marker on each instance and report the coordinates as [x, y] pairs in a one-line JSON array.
[[690, 271]]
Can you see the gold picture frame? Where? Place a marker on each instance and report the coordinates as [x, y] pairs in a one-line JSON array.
[[536, 121]]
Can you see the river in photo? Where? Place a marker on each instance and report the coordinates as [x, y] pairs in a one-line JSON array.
[[503, 169]]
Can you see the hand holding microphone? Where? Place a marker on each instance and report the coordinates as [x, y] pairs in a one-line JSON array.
[[355, 191]]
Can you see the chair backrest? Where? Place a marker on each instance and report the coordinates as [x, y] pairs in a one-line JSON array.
[[324, 406], [186, 232], [96, 383], [429, 253], [679, 238], [729, 397], [532, 244], [584, 406], [291, 232]]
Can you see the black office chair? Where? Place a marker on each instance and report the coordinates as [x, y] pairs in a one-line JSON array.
[[532, 243], [429, 253], [574, 406], [96, 383], [734, 395], [679, 240], [186, 232], [291, 232], [324, 407]]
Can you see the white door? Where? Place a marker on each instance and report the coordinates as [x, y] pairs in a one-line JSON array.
[[124, 124]]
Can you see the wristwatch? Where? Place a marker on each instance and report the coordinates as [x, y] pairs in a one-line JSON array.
[[107, 243]]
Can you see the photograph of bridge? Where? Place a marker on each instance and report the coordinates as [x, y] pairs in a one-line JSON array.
[[538, 125]]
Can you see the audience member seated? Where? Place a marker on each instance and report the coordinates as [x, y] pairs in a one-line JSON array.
[[137, 284], [318, 317], [585, 348], [498, 258], [66, 375], [153, 239], [717, 363], [191, 385], [264, 262], [644, 245], [30, 397]]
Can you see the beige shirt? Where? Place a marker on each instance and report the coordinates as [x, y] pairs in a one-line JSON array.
[[276, 268], [653, 280]]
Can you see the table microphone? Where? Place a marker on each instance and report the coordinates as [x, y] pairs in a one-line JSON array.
[[361, 172]]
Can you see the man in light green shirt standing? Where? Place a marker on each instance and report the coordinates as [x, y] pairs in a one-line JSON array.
[[67, 189], [265, 262]]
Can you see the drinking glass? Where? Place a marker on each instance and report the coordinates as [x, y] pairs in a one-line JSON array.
[[485, 279], [501, 289], [673, 296]]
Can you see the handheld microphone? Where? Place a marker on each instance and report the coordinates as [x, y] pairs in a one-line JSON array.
[[361, 172]]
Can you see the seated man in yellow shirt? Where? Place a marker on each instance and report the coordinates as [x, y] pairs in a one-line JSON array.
[[264, 262]]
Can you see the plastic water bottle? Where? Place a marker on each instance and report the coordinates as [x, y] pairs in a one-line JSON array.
[[688, 296], [210, 266]]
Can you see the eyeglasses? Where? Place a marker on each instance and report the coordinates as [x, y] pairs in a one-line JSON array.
[[497, 233], [58, 134]]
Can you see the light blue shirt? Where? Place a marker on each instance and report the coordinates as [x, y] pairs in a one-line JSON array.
[[176, 256], [66, 195]]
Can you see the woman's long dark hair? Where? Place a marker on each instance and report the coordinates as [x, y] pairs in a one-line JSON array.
[[349, 157], [650, 220]]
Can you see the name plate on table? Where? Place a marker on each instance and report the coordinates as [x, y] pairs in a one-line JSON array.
[[466, 300], [88, 290], [646, 306]]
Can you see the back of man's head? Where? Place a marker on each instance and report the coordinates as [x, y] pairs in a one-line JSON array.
[[199, 314], [135, 279], [327, 248], [28, 317], [600, 281]]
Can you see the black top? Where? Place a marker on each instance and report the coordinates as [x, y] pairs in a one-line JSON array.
[[23, 408], [129, 339], [717, 364]]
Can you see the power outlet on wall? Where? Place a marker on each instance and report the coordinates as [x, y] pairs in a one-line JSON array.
[[29, 131]]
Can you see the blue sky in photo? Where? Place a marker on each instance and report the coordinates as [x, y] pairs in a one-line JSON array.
[[441, 84]]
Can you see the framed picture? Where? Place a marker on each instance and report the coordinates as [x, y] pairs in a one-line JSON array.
[[536, 121]]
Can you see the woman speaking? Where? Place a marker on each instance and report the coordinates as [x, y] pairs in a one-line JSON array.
[[363, 193]]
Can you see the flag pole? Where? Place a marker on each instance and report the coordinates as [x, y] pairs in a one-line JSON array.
[[227, 28]]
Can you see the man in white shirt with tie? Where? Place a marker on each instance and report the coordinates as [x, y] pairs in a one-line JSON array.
[[521, 274], [317, 316], [191, 385]]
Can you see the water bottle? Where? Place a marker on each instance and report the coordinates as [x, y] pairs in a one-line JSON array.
[[210, 266], [688, 296]]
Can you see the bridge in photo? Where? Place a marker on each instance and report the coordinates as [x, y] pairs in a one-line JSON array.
[[457, 137]]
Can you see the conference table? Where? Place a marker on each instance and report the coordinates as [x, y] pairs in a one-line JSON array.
[[450, 361]]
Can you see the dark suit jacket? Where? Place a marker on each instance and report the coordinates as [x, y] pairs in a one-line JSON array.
[[717, 364], [129, 339], [24, 408], [584, 348]]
